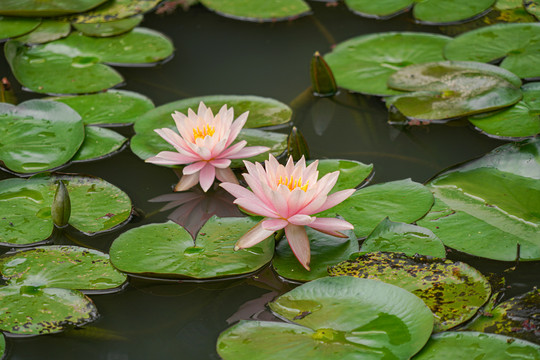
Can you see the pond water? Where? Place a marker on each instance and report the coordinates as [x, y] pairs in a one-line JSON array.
[[216, 55]]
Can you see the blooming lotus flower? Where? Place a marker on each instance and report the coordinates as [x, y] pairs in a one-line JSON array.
[[287, 196], [205, 144]]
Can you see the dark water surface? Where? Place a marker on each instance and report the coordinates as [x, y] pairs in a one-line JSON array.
[[216, 55]]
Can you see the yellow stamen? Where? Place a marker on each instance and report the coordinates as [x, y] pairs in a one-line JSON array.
[[291, 184], [206, 130]]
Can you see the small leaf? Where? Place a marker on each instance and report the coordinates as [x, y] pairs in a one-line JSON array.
[[322, 78], [61, 206]]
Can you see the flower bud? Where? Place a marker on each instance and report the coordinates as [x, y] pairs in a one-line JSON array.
[[322, 79], [297, 145], [61, 206]]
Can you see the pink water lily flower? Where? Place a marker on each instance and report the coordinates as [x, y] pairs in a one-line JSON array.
[[287, 196], [205, 144]]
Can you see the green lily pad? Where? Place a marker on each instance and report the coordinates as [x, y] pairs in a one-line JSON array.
[[110, 108], [403, 201], [75, 64], [67, 267], [109, 28], [99, 143], [38, 135], [533, 7], [518, 44], [486, 207], [363, 64], [114, 10], [25, 211], [326, 250], [351, 173], [516, 317], [48, 30], [362, 311], [32, 310], [12, 27], [168, 250], [406, 238], [453, 291], [258, 10], [2, 346], [474, 345], [427, 11], [46, 8], [450, 89], [519, 121]]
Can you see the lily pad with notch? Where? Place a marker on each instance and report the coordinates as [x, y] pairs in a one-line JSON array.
[[258, 10], [38, 8], [99, 143], [454, 291], [363, 64], [11, 27], [168, 251], [48, 30]]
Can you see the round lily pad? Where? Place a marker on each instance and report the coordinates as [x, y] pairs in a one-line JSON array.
[[109, 108], [48, 30], [258, 10], [325, 250], [362, 311], [99, 143], [46, 8], [475, 345], [518, 44], [168, 250], [109, 28], [363, 64], [403, 201], [75, 64], [32, 310], [114, 10], [453, 291], [519, 121], [351, 173], [67, 267], [446, 90], [12, 26], [38, 135], [488, 206], [406, 238]]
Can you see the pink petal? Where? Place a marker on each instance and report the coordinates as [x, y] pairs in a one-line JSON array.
[[220, 163], [233, 149], [187, 182], [207, 176], [236, 190], [248, 152], [301, 220], [299, 243], [274, 224], [334, 199], [279, 202], [331, 226], [226, 175], [254, 236], [254, 207], [193, 168], [168, 158], [236, 126]]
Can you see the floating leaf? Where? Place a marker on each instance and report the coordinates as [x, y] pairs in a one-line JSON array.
[[67, 267], [2, 346], [351, 173], [533, 7], [516, 317], [11, 26], [74, 64], [114, 10], [325, 250], [168, 250], [453, 291], [38, 135], [48, 30], [110, 108], [258, 10], [109, 28], [474, 345], [363, 64], [518, 44], [46, 8], [488, 206], [403, 201], [32, 310], [520, 120], [99, 143], [392, 236]]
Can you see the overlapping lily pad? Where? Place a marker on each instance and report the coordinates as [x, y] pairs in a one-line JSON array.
[[258, 10], [363, 64], [12, 26], [38, 135], [403, 201], [533, 7], [454, 291], [109, 28], [488, 206], [46, 8], [519, 121], [98, 144], [351, 173], [25, 207], [518, 44], [340, 318], [168, 250], [114, 10], [410, 239], [76, 64], [450, 89], [475, 345], [48, 30], [516, 317], [427, 11]]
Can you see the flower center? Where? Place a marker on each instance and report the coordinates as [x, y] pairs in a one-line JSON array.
[[201, 134], [292, 184]]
